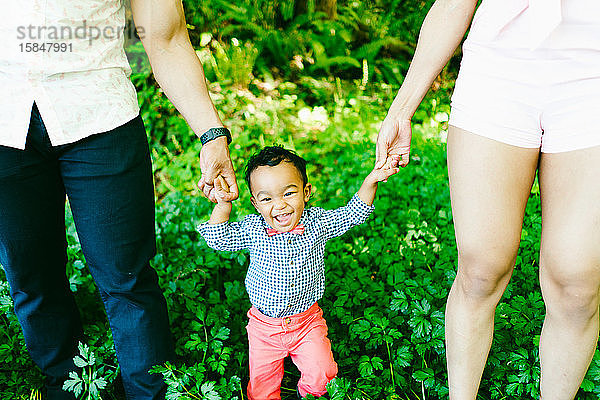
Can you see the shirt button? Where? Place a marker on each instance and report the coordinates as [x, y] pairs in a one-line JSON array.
[[292, 262], [291, 285], [290, 241]]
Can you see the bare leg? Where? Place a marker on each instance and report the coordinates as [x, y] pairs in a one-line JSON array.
[[569, 268], [490, 183]]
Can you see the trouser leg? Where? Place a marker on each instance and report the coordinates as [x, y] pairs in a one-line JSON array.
[[33, 255], [108, 179], [312, 355], [266, 354]]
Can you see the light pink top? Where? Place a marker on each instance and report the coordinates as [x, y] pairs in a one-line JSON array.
[[556, 24], [79, 81]]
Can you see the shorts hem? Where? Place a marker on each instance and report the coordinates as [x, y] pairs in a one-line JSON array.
[[476, 126], [576, 147]]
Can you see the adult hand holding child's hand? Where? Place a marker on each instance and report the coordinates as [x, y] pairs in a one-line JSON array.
[[379, 174], [214, 163], [382, 174], [223, 196], [393, 141], [221, 189]]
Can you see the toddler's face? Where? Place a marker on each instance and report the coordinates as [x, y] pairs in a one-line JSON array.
[[279, 195]]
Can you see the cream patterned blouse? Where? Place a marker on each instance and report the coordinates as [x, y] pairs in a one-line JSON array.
[[67, 56]]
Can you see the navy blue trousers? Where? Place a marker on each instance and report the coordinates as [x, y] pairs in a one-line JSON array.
[[108, 181]]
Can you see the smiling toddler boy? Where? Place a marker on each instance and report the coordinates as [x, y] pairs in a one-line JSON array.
[[286, 275]]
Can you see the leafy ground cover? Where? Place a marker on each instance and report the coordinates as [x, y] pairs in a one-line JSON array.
[[319, 85], [387, 279]]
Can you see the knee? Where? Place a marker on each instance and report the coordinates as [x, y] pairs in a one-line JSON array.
[[483, 274], [570, 284], [119, 282], [317, 383], [330, 371], [323, 367]]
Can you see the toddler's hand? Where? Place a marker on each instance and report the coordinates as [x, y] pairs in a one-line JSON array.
[[382, 174], [221, 190]]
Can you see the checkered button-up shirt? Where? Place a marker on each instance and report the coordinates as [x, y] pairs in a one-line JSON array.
[[286, 273]]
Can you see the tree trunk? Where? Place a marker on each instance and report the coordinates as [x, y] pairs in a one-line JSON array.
[[329, 7]]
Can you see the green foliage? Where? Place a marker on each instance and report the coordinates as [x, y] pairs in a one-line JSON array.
[[87, 383], [189, 383], [387, 280], [228, 64], [320, 86], [16, 367], [369, 40]]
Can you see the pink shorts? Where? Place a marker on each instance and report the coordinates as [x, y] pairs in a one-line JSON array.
[[547, 99], [303, 337]]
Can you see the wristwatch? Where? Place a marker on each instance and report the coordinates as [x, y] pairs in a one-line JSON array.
[[214, 133]]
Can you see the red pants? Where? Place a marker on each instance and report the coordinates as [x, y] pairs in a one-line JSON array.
[[302, 336]]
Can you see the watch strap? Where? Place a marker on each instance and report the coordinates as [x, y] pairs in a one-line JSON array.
[[214, 133]]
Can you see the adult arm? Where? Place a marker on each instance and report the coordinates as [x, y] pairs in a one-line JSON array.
[[178, 71], [441, 32]]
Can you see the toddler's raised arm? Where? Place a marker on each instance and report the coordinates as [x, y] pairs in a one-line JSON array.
[[218, 232], [226, 236]]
